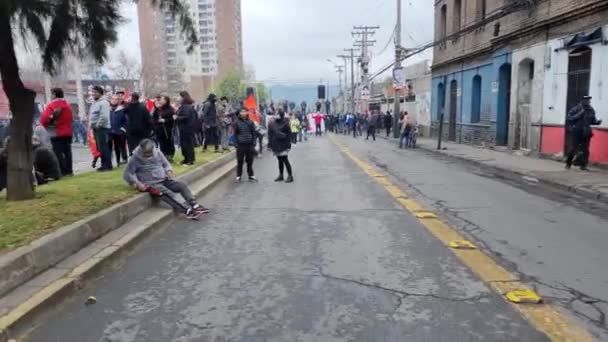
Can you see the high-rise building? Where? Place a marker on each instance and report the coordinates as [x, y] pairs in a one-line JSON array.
[[167, 65]]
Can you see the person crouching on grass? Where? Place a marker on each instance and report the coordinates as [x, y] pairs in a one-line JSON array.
[[149, 171]]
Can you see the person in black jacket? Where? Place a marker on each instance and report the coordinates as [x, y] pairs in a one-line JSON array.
[[4, 163], [388, 123], [139, 122], [211, 123], [46, 164], [164, 122], [579, 120], [118, 129], [279, 141], [186, 123], [245, 136]]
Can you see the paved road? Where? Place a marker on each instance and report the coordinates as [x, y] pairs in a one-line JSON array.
[[555, 242], [331, 257]]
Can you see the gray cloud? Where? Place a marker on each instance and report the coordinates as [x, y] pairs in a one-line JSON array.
[[291, 39]]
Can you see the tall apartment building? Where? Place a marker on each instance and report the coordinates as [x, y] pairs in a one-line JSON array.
[[169, 68], [505, 72]]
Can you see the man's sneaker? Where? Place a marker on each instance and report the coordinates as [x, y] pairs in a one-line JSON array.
[[289, 179], [237, 180], [279, 179], [253, 179], [192, 214], [199, 208]]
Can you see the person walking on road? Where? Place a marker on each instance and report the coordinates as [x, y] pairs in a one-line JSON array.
[[371, 125], [318, 117], [388, 123], [186, 123], [118, 123], [100, 124], [139, 122], [57, 120], [406, 127], [163, 123], [579, 121], [294, 124], [149, 171], [279, 140], [245, 135], [210, 123]]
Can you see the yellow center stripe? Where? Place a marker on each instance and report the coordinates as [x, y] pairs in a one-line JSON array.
[[547, 319]]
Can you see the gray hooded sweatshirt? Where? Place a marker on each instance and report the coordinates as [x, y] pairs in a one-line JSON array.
[[151, 170]]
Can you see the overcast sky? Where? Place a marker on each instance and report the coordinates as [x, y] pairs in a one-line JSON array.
[[292, 39]]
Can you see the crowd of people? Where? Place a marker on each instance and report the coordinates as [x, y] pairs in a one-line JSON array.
[[374, 122]]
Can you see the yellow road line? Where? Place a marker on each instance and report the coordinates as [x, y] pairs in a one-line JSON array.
[[543, 317]]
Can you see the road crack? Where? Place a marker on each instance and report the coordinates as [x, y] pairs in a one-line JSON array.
[[401, 293], [471, 229]]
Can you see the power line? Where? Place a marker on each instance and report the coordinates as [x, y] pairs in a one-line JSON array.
[[490, 17]]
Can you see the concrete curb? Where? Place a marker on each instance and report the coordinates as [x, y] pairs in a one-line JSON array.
[[22, 264], [67, 277]]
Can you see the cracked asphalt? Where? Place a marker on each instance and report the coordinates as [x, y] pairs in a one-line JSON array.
[[331, 257], [553, 241]]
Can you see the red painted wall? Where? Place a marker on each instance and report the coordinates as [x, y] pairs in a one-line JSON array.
[[552, 142]]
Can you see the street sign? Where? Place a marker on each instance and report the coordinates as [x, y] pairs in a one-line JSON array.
[[398, 78], [365, 93]]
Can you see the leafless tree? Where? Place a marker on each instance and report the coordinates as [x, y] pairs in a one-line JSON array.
[[126, 67]]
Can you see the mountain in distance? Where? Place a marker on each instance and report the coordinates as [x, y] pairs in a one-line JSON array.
[[298, 92]]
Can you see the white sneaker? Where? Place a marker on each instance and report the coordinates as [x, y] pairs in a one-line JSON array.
[[237, 180]]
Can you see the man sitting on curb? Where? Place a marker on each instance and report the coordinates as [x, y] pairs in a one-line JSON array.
[[149, 171]]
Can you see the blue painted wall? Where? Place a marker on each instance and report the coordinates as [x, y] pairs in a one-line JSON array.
[[489, 72]]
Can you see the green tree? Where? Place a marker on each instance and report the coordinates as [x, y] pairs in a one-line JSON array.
[[231, 86], [262, 92], [59, 27]]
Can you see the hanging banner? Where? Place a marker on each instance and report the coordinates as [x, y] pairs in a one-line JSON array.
[[399, 78], [365, 93]]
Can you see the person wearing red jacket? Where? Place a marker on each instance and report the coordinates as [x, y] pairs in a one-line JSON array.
[[318, 117], [57, 120]]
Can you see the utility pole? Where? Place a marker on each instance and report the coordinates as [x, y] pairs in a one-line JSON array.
[[345, 58], [340, 70], [365, 32], [398, 49], [352, 78]]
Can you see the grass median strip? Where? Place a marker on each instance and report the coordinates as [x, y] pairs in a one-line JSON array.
[[68, 200]]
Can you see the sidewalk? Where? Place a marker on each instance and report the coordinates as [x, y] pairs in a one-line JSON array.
[[592, 184]]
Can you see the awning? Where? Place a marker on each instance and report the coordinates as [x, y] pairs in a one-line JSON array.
[[585, 39]]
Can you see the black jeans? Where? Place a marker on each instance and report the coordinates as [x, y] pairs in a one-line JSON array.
[[284, 164], [294, 138], [102, 140], [186, 142], [388, 131], [62, 146], [245, 154], [211, 138], [318, 130], [118, 141], [165, 142], [133, 140], [371, 130], [579, 149]]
